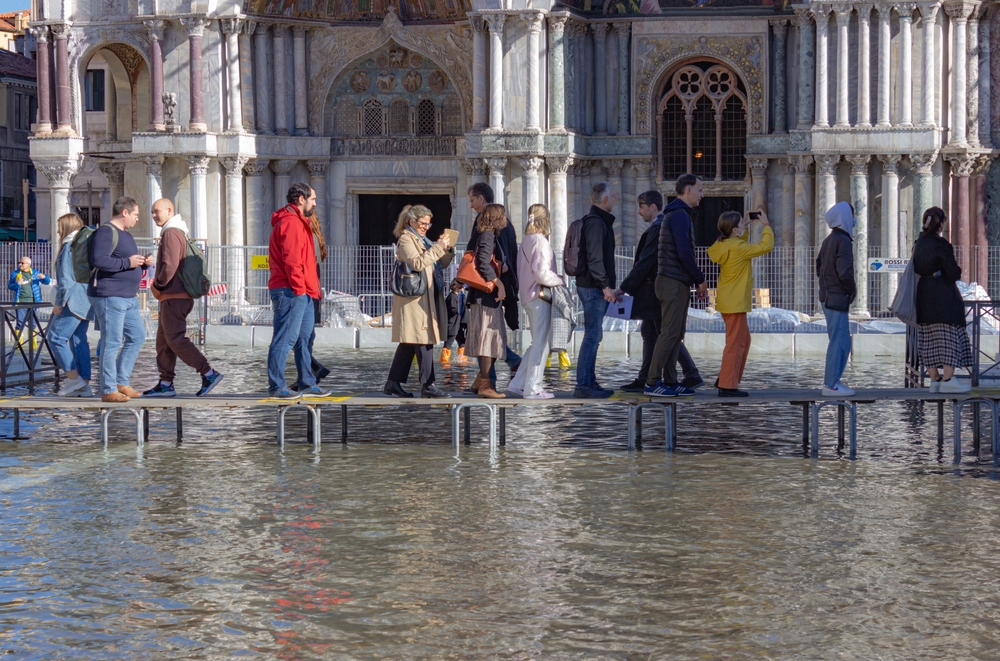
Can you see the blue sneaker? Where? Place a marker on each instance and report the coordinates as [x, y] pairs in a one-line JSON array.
[[660, 390], [160, 390], [208, 382], [683, 391], [314, 391], [283, 394]]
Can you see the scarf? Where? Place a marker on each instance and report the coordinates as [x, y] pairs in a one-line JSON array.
[[176, 223], [438, 270]]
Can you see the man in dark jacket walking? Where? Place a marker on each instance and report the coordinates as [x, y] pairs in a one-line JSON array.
[[639, 284], [837, 289], [677, 269], [596, 287]]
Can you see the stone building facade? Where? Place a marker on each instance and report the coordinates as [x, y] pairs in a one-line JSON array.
[[222, 106]]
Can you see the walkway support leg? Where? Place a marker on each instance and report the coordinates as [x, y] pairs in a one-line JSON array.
[[940, 422], [632, 425], [343, 424], [503, 425], [854, 431], [281, 426], [493, 426], [814, 449], [669, 420], [454, 426], [17, 424], [104, 427], [996, 434], [468, 425], [316, 426], [180, 424], [957, 434], [145, 422], [805, 424]]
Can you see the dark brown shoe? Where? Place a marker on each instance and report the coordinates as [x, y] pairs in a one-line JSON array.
[[489, 392]]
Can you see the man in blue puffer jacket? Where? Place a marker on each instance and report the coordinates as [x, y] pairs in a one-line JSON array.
[[18, 283]]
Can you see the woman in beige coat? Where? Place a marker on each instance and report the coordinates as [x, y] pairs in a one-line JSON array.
[[419, 322]]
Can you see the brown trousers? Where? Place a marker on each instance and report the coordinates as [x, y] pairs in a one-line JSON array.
[[172, 341], [734, 356]]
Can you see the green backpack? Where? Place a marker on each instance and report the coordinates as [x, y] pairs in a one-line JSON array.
[[79, 249], [192, 271]]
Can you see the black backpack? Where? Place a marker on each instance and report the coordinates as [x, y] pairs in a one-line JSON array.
[[572, 247], [192, 271]]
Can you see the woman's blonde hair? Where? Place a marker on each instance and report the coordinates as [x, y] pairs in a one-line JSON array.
[[411, 212], [66, 225], [538, 220]]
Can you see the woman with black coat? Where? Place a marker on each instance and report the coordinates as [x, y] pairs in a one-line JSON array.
[[487, 335], [943, 343]]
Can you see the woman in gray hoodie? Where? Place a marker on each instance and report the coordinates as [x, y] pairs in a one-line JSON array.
[[837, 289]]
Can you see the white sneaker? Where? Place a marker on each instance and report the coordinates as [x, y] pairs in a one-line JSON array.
[[954, 386], [70, 387], [935, 387], [85, 391], [839, 390], [540, 395]]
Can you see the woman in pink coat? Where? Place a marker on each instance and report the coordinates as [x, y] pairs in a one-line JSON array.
[[536, 268]]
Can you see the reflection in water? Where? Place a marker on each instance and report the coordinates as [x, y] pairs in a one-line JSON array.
[[561, 545]]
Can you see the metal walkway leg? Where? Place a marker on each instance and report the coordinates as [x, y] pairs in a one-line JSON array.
[[814, 446], [343, 424], [17, 424], [503, 425], [104, 427], [282, 410], [180, 424]]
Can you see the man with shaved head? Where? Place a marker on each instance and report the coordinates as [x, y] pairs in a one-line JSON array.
[[175, 305]]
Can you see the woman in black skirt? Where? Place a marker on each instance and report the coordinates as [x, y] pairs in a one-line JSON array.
[[943, 342]]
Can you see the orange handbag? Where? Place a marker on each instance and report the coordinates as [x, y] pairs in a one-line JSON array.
[[469, 275]]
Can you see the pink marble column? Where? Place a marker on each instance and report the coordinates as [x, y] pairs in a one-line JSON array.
[[196, 29], [44, 125], [961, 220], [155, 28], [61, 33]]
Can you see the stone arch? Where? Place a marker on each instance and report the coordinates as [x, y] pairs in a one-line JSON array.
[[82, 47]]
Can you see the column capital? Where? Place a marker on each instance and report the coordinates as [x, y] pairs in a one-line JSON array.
[[905, 10], [496, 164], [317, 168], [859, 163], [231, 25], [801, 162], [929, 10], [284, 166], [59, 30], [960, 11], [865, 12], [475, 167], [114, 171], [195, 25], [249, 27], [40, 32], [842, 12], [779, 26], [234, 164], [803, 15], [614, 168], [983, 164], [534, 20], [155, 28], [890, 163], [623, 29], [821, 14], [495, 22], [923, 163], [600, 30], [962, 165], [530, 164], [154, 165], [59, 173], [557, 23], [298, 32], [255, 167], [645, 167], [827, 163], [478, 23], [559, 165], [758, 167], [884, 10], [260, 29], [197, 164], [582, 167]]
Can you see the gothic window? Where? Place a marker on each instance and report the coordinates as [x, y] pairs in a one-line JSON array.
[[702, 124], [399, 117], [426, 118], [372, 119], [451, 117], [347, 118]]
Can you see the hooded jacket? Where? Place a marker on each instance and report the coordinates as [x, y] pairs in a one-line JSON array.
[[676, 258], [292, 258], [835, 262], [735, 257], [597, 250], [639, 281], [169, 260]]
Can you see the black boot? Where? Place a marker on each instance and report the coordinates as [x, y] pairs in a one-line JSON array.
[[394, 389], [433, 392], [733, 392]]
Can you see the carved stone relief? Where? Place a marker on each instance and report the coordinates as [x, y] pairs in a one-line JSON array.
[[386, 82], [437, 81], [412, 81], [360, 81]]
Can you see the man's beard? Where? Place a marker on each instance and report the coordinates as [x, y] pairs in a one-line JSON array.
[[311, 213]]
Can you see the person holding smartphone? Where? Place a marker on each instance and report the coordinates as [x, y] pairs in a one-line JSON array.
[[734, 255]]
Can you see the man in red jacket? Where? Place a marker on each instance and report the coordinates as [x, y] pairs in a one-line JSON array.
[[293, 285]]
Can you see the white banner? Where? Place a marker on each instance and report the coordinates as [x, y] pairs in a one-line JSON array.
[[879, 265]]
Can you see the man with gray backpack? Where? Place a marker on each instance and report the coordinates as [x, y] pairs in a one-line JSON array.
[[178, 280]]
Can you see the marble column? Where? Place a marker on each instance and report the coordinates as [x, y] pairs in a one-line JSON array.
[[843, 14], [282, 179], [928, 13], [780, 29], [786, 231], [155, 30], [262, 80], [279, 82], [905, 12], [529, 186], [478, 73], [864, 65], [196, 123], [533, 21], [807, 68], [317, 179], [645, 173], [614, 169], [558, 167], [475, 171], [257, 215], [198, 168], [60, 177], [985, 68], [338, 204], [822, 16], [959, 15], [496, 22], [498, 170], [584, 81], [44, 124], [236, 261], [589, 94], [115, 172], [890, 219], [859, 199], [826, 192], [972, 79], [979, 200], [962, 166], [249, 119], [583, 168], [64, 126], [154, 188], [804, 269], [923, 188], [624, 30], [758, 183], [301, 76], [600, 31], [884, 70], [232, 27], [557, 73], [569, 83]]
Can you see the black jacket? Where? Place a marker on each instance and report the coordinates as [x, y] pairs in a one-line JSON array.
[[938, 298], [639, 282], [597, 250], [835, 265], [507, 241], [485, 246], [675, 248]]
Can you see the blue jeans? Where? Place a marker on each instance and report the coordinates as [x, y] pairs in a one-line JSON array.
[[67, 348], [838, 329], [511, 358], [594, 307], [122, 335], [293, 324]]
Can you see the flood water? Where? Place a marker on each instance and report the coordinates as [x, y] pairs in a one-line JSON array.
[[561, 545]]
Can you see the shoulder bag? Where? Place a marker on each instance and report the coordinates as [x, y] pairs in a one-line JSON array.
[[904, 304], [406, 282]]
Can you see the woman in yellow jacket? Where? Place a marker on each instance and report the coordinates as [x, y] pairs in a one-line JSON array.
[[734, 298]]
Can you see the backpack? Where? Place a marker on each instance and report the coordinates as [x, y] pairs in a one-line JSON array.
[[571, 249], [79, 249], [192, 271]]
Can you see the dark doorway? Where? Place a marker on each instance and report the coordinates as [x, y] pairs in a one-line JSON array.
[[706, 217], [378, 214]]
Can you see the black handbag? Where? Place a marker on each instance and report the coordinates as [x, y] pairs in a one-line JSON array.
[[545, 294], [406, 282]]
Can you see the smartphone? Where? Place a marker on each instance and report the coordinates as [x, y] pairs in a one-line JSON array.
[[754, 215]]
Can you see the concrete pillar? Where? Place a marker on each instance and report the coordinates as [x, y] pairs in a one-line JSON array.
[[198, 168], [843, 14], [822, 16], [804, 224], [258, 218], [478, 73], [826, 196], [533, 21], [779, 27], [498, 170], [280, 81], [928, 13], [495, 22], [301, 76], [262, 81], [864, 65], [338, 204], [155, 29], [195, 29], [600, 31], [154, 188], [905, 12], [42, 40], [232, 27], [623, 30], [807, 46], [859, 199], [557, 73], [63, 99]]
